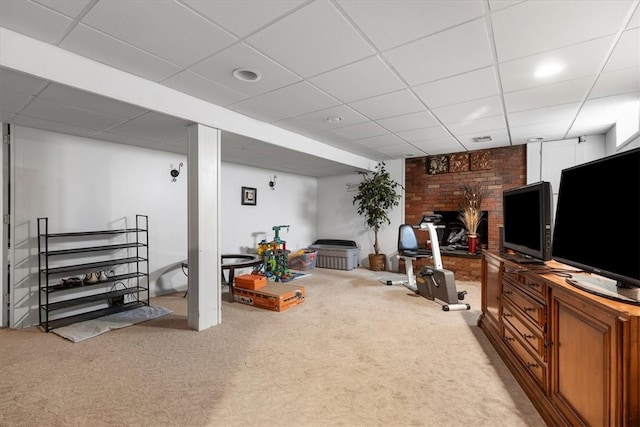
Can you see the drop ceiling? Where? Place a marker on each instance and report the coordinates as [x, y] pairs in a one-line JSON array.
[[399, 78]]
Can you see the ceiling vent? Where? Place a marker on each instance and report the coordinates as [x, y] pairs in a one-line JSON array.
[[482, 139]]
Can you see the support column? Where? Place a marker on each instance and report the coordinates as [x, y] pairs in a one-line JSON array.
[[203, 182], [4, 229]]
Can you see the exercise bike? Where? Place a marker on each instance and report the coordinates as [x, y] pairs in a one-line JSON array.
[[431, 282]]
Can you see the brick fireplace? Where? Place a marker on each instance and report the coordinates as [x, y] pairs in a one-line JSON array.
[[428, 191]]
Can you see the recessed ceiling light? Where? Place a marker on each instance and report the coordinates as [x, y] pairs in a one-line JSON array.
[[246, 75], [548, 69], [537, 139], [334, 119], [486, 138]]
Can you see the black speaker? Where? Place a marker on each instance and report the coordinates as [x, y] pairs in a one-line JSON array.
[[501, 238]]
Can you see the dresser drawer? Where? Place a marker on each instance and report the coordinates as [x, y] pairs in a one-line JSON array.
[[531, 336], [530, 308], [530, 363], [536, 288]]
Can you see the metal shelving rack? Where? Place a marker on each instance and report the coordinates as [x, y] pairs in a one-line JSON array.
[[61, 305]]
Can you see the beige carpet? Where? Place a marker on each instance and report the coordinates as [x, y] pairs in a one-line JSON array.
[[355, 353]]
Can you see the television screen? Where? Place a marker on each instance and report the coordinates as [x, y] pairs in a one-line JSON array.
[[527, 222], [597, 223]]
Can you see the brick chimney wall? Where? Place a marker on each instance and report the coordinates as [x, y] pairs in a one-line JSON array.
[[426, 193]]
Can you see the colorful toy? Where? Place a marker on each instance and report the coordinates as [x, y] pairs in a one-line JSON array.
[[276, 257]]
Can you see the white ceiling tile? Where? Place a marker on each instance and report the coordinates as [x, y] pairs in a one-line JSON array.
[[7, 117], [296, 125], [626, 53], [90, 102], [220, 68], [543, 130], [68, 7], [478, 126], [391, 23], [401, 151], [411, 121], [532, 27], [30, 18], [634, 22], [546, 96], [469, 111], [565, 112], [495, 5], [604, 111], [11, 101], [297, 99], [434, 132], [103, 48], [331, 138], [259, 111], [53, 126], [243, 17], [464, 87], [62, 113], [362, 130], [312, 40], [439, 146], [168, 30], [319, 118], [155, 126], [499, 138], [381, 141], [617, 82], [19, 82], [388, 105], [580, 60], [195, 85], [363, 79], [130, 140], [455, 51]]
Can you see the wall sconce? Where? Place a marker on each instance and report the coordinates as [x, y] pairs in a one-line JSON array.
[[272, 183], [175, 172]]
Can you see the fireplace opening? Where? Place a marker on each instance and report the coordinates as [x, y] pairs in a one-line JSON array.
[[453, 235]]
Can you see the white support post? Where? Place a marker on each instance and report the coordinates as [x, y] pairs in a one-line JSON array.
[[204, 283]]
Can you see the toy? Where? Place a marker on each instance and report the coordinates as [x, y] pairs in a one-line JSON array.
[[276, 257]]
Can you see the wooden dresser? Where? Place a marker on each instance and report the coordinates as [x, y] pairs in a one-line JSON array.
[[576, 355]]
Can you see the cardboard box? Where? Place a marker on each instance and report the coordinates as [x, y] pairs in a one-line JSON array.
[[250, 281], [274, 296]]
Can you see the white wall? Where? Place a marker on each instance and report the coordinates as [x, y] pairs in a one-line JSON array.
[[86, 184], [338, 217], [292, 202], [83, 184]]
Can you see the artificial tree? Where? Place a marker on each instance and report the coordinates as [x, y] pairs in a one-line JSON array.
[[377, 194]]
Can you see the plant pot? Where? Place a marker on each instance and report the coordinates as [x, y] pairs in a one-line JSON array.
[[473, 243], [377, 262]]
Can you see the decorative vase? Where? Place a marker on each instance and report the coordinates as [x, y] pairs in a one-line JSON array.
[[473, 243], [377, 262]]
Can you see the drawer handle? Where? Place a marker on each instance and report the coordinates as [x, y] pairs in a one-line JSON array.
[[531, 365], [506, 292], [528, 308], [509, 338], [528, 337], [507, 314], [548, 343], [532, 285]]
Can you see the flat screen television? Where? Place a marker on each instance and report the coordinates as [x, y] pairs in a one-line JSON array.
[[597, 224], [527, 222]]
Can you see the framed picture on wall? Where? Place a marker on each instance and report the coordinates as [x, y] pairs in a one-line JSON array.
[[249, 196]]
